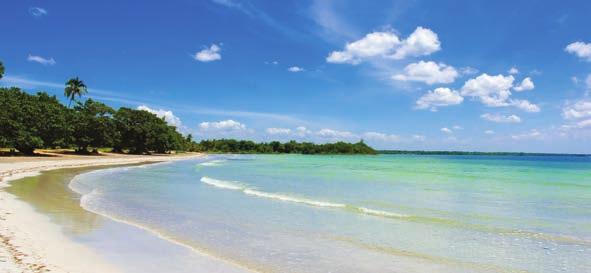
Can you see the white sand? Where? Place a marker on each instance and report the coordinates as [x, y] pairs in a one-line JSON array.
[[29, 241]]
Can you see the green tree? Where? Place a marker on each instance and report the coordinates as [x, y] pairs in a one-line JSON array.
[[74, 87], [1, 70], [92, 125], [29, 121]]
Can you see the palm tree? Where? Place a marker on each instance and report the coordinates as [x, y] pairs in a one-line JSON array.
[[1, 70], [74, 87]]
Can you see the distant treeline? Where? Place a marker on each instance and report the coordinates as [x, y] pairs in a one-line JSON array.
[[28, 122], [291, 147], [402, 152]]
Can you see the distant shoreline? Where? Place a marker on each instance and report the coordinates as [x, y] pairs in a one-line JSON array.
[[416, 152]]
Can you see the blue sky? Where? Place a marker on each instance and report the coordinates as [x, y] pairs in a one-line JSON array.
[[460, 75]]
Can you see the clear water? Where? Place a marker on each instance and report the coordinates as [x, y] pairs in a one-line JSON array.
[[386, 213]]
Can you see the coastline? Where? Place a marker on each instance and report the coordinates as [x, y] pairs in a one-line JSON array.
[[29, 240]]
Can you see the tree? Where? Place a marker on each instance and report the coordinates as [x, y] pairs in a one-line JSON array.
[[92, 125], [1, 70], [74, 87], [29, 121]]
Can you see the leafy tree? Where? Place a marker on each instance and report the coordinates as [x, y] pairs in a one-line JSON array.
[[29, 121], [1, 70], [92, 125], [74, 87]]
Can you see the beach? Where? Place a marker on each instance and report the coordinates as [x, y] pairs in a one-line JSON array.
[[29, 241]]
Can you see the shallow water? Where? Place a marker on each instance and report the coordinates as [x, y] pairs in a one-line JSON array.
[[387, 213]]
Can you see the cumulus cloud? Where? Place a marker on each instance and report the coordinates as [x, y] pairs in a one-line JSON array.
[[491, 90], [168, 116], [387, 44], [41, 60], [428, 72], [577, 110], [224, 125], [278, 131], [375, 136], [37, 11], [501, 118], [439, 97], [335, 134], [532, 134], [209, 54], [513, 71], [580, 49], [422, 41], [295, 69], [525, 105], [525, 85], [495, 91], [446, 130], [468, 70], [302, 131]]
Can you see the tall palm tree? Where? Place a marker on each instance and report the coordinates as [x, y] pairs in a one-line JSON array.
[[74, 87], [1, 70]]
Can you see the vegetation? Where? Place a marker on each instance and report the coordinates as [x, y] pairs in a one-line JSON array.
[[28, 122], [1, 70], [291, 147], [74, 87]]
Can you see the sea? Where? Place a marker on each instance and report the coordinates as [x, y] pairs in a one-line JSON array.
[[355, 213]]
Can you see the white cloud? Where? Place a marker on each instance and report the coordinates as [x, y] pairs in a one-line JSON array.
[[439, 97], [41, 60], [580, 49], [525, 85], [491, 90], [224, 125], [489, 132], [372, 45], [458, 127], [422, 41], [584, 123], [533, 134], [334, 134], [278, 131], [209, 54], [168, 116], [513, 71], [574, 79], [446, 130], [295, 69], [419, 137], [302, 131], [428, 72], [525, 105], [387, 44], [577, 110], [468, 70], [37, 12], [501, 118], [375, 136]]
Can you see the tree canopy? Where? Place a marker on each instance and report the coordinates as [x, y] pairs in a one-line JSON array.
[[74, 87]]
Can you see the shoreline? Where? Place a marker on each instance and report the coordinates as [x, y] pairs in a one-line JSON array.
[[29, 240]]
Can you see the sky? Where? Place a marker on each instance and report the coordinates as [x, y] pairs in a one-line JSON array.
[[425, 75]]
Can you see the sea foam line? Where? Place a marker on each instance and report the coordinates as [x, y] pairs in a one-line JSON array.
[[213, 163], [237, 186]]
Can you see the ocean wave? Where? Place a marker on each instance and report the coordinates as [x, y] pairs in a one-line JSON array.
[[213, 163], [237, 186]]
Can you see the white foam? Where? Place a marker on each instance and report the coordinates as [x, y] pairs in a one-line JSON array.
[[381, 213], [213, 163], [288, 198], [223, 184]]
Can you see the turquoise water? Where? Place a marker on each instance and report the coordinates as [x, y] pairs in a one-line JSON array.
[[386, 213]]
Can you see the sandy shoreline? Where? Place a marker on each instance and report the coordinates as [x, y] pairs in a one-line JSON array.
[[29, 241]]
